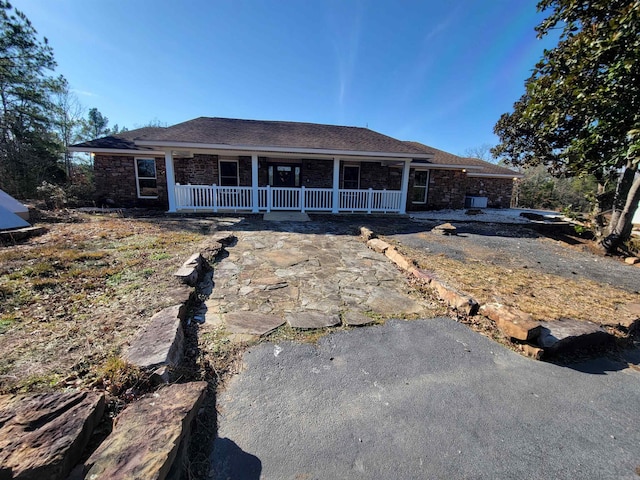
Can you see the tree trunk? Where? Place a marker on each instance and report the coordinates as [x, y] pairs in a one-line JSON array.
[[621, 219], [598, 211]]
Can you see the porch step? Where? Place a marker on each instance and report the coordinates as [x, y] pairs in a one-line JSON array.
[[286, 217]]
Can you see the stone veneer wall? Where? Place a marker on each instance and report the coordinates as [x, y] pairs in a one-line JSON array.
[[317, 173], [376, 176], [115, 179], [244, 171], [497, 190], [447, 189], [200, 170]]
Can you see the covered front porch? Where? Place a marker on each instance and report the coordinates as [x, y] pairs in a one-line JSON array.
[[260, 183]]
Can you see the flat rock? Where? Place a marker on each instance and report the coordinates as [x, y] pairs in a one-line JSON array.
[[390, 303], [311, 320], [161, 342], [512, 322], [356, 319], [43, 436], [421, 275], [223, 238], [445, 229], [251, 323], [397, 258], [190, 270], [284, 259], [147, 436], [632, 260], [269, 283], [455, 299], [533, 352], [378, 245], [177, 294], [566, 334], [367, 233]]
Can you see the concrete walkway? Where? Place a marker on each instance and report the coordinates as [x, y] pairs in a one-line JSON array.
[[307, 278]]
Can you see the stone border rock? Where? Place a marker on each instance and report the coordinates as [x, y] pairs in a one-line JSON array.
[[150, 435], [534, 338], [449, 295]]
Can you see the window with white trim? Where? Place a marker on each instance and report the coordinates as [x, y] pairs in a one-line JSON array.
[[351, 177], [420, 186], [228, 173], [146, 178]]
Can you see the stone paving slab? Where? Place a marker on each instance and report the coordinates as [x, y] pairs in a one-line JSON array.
[[355, 319], [252, 323], [312, 320], [280, 273]]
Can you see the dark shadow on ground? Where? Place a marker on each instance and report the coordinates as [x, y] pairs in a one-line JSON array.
[[229, 461], [612, 362]]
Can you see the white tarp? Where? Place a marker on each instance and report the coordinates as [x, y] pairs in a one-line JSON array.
[[13, 205], [11, 221]]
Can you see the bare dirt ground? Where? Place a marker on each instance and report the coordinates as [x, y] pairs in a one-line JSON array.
[[71, 298]]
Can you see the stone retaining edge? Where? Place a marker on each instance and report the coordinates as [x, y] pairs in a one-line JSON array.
[[518, 326]]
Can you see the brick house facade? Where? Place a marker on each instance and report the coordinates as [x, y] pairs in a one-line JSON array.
[[214, 163]]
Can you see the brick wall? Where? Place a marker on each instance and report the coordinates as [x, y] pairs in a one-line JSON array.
[[497, 190], [244, 171], [376, 176], [199, 170], [317, 173], [447, 189], [115, 180]]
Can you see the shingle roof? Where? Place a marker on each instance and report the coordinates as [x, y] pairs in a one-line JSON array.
[[262, 133], [440, 157], [121, 141]]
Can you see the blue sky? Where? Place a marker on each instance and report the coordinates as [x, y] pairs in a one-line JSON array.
[[436, 72]]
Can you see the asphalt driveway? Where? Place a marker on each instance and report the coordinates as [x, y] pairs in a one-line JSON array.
[[424, 399]]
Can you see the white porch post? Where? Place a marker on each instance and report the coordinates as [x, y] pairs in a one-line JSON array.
[[405, 186], [254, 183], [336, 185], [171, 180]]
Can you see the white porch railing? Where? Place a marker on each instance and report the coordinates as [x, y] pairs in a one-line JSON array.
[[370, 200], [213, 197]]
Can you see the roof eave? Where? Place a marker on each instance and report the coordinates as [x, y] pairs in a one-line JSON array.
[[166, 145], [123, 151], [496, 175]]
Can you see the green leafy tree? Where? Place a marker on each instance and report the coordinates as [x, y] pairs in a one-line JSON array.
[[29, 151], [580, 114], [540, 189]]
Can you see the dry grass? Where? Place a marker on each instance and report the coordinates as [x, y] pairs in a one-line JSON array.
[[544, 296], [70, 299]]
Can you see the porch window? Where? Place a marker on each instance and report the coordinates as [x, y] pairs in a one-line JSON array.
[[420, 186], [146, 180], [229, 173], [351, 177]]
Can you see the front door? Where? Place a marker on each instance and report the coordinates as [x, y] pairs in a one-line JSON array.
[[282, 175]]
